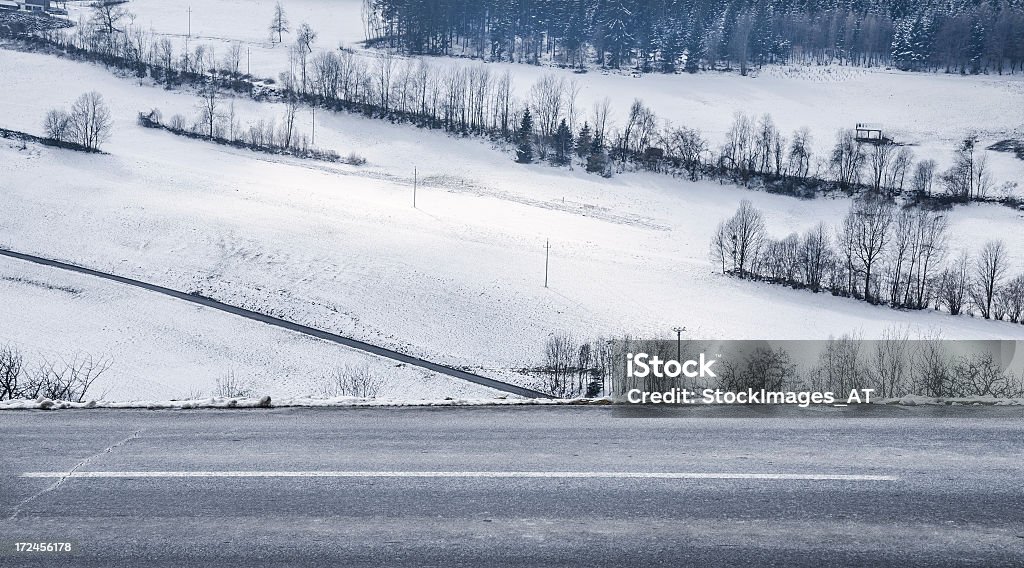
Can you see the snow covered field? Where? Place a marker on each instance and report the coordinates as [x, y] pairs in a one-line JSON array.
[[162, 348], [932, 112], [458, 280]]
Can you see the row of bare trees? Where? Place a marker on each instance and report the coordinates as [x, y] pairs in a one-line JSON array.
[[895, 365], [574, 368], [880, 254], [547, 124], [57, 379]]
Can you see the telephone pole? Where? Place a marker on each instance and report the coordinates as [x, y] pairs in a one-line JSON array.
[[679, 342], [312, 136], [248, 71], [547, 256], [414, 180], [190, 21]]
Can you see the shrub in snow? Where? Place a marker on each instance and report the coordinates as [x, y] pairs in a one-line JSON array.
[[60, 379], [350, 380], [230, 386], [354, 159]]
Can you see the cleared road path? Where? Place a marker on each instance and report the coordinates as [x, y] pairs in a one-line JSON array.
[[289, 325], [537, 486]]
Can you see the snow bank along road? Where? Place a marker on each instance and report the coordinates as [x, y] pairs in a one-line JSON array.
[[292, 326], [564, 486]]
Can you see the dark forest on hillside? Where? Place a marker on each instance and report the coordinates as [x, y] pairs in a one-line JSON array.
[[670, 35]]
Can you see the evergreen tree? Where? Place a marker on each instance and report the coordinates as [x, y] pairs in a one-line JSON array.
[[979, 36], [597, 161], [584, 142], [524, 139], [563, 144], [615, 37]]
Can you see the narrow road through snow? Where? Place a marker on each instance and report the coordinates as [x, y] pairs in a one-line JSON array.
[[289, 325]]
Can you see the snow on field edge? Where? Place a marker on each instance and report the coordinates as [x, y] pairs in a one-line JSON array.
[[348, 401]]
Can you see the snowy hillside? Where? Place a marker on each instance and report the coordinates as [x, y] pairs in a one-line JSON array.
[[459, 279], [930, 111]]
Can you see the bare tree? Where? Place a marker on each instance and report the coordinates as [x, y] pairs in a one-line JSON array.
[[934, 376], [11, 369], [738, 153], [980, 374], [209, 103], [924, 177], [953, 285], [879, 158], [815, 256], [560, 357], [928, 252], [90, 120], [547, 97], [63, 379], [959, 179], [800, 153], [233, 60], [572, 111], [57, 125], [108, 15], [765, 141], [840, 366], [636, 134], [602, 114], [989, 270], [867, 231], [689, 147], [893, 360], [1010, 300], [897, 177], [287, 137], [738, 240], [305, 37], [765, 368], [279, 23], [847, 160]]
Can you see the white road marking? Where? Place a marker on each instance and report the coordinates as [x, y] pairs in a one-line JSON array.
[[470, 474]]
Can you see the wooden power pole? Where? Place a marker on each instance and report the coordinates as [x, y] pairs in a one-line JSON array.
[[547, 256]]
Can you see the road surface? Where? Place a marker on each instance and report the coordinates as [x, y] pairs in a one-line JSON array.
[[535, 486]]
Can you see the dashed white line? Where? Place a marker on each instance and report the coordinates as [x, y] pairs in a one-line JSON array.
[[469, 474]]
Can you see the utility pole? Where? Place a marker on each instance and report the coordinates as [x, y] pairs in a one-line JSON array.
[[190, 21], [312, 136], [547, 256], [414, 181], [248, 71], [679, 342]]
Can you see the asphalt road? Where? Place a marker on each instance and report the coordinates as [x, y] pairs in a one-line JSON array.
[[881, 487]]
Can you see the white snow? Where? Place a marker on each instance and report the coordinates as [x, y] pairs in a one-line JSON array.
[[458, 280], [268, 402], [930, 111]]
